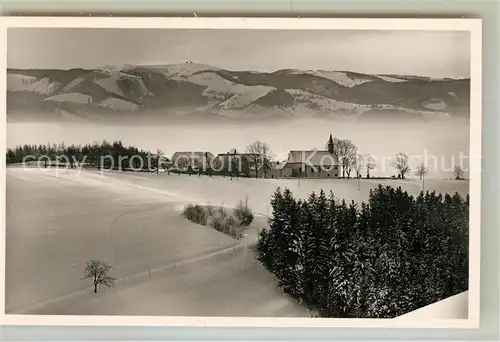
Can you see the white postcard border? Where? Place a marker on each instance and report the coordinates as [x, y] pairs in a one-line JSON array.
[[474, 26]]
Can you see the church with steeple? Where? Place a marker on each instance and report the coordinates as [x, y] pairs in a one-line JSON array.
[[309, 164]]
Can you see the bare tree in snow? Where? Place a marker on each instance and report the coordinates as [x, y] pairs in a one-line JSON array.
[[401, 164], [370, 164], [345, 151], [358, 165], [262, 157], [421, 173], [99, 271]]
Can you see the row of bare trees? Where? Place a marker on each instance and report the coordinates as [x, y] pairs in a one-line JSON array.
[[257, 156], [351, 159], [347, 153], [401, 164], [344, 149]]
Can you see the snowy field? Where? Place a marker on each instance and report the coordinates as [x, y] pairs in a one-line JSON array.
[[165, 265], [454, 307], [223, 191]]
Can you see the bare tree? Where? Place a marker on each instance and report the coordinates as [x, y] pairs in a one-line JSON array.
[[401, 164], [261, 157], [370, 164], [208, 163], [459, 172], [345, 151], [99, 271], [351, 161], [421, 173], [358, 166], [159, 160]]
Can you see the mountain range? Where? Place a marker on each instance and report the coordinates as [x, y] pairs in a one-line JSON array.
[[191, 91]]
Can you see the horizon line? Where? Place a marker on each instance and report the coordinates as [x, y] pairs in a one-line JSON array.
[[150, 65]]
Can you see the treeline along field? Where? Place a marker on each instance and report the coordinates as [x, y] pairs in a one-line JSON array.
[[382, 258], [108, 155]]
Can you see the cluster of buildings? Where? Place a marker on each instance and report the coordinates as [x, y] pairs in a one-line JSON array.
[[299, 164]]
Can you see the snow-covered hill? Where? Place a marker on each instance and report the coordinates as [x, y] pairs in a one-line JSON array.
[[391, 79], [71, 98], [191, 90], [19, 82], [182, 70], [317, 103], [342, 78]]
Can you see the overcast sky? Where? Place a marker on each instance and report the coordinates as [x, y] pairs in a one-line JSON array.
[[425, 53]]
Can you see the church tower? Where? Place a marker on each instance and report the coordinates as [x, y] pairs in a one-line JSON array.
[[330, 144]]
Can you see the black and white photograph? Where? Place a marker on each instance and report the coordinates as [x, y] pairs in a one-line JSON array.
[[251, 170]]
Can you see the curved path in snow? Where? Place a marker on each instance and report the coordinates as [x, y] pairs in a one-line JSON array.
[[165, 265]]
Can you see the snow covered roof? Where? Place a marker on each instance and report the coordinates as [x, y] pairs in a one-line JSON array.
[[192, 155], [280, 165], [238, 154], [313, 157]]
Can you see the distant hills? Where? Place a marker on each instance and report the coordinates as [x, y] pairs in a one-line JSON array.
[[190, 91]]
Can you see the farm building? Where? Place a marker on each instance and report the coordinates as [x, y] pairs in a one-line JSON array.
[[299, 164], [308, 164], [242, 164], [191, 159]]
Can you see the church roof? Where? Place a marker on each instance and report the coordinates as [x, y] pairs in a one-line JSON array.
[[313, 157]]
